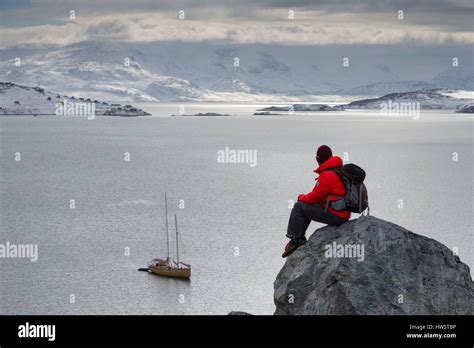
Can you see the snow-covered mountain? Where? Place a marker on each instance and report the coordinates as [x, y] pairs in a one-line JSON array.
[[173, 71]]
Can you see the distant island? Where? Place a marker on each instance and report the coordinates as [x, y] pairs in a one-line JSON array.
[[268, 113], [435, 99], [303, 107], [204, 114]]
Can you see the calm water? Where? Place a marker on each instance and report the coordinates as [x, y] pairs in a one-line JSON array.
[[234, 217]]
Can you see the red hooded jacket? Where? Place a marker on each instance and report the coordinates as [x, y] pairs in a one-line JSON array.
[[328, 182]]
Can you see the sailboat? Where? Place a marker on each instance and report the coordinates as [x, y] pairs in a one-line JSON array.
[[169, 267]]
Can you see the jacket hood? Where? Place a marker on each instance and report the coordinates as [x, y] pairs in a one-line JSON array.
[[332, 162]]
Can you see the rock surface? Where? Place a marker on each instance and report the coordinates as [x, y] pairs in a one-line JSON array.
[[394, 272]]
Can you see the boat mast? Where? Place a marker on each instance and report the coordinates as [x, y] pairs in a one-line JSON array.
[[177, 248], [166, 219]]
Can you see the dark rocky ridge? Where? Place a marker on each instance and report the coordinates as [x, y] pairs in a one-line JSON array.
[[466, 109]]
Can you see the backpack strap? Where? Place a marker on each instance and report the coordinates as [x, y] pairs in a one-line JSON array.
[[327, 203]]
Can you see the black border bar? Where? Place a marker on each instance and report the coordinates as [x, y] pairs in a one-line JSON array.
[[241, 329]]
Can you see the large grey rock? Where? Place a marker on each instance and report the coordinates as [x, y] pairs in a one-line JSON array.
[[399, 272]]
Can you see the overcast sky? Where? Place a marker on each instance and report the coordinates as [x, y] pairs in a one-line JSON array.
[[264, 21]]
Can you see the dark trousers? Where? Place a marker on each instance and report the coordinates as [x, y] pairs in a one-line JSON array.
[[303, 213]]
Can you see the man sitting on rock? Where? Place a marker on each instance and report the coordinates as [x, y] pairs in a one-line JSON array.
[[312, 206]]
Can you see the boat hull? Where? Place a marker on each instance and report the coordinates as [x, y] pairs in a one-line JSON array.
[[170, 272]]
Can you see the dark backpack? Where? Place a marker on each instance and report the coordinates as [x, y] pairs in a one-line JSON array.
[[356, 199]]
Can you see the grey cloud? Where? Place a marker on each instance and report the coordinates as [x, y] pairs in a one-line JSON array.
[[322, 21]]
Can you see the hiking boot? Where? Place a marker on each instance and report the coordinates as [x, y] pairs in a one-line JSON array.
[[292, 246]]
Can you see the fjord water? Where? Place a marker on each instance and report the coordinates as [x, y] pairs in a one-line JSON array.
[[234, 216]]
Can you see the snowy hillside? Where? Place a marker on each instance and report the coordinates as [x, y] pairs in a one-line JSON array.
[[177, 71], [432, 100], [22, 100], [384, 88]]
